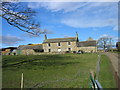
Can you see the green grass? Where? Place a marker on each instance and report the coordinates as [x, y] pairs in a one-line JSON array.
[[115, 51], [106, 77], [53, 71]]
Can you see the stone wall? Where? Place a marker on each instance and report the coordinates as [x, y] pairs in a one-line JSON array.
[[32, 52], [24, 52], [87, 49], [62, 48], [28, 52]]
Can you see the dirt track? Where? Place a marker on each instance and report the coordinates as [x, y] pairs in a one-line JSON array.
[[115, 61]]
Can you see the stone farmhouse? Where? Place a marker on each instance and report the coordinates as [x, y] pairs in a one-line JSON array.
[[56, 45], [70, 44]]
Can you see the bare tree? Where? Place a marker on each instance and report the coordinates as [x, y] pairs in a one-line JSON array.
[[105, 42], [118, 46], [21, 17]]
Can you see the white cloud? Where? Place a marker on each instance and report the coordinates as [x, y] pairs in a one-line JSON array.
[[116, 39], [105, 35], [10, 39], [34, 5], [29, 35], [69, 0], [35, 36], [115, 28], [83, 14], [57, 6], [86, 22], [93, 15]]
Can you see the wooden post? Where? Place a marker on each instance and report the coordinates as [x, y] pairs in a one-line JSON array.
[[116, 77], [22, 81]]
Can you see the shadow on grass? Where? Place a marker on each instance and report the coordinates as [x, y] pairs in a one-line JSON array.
[[39, 60]]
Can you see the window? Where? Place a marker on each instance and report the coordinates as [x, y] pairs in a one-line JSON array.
[[69, 43], [49, 50], [59, 49], [49, 44], [69, 49], [38, 50], [58, 44]]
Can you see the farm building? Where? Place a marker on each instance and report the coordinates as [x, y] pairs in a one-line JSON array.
[[8, 50], [89, 45], [70, 44], [60, 44], [29, 49]]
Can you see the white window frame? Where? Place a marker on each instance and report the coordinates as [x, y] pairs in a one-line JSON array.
[[48, 45], [58, 44]]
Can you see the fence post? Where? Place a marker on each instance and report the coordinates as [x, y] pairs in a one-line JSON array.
[[22, 81]]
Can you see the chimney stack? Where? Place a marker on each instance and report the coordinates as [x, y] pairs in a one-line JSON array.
[[45, 37]]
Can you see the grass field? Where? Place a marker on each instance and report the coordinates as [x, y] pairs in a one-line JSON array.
[[55, 71]]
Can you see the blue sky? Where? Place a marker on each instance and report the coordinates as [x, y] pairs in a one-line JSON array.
[[63, 19]]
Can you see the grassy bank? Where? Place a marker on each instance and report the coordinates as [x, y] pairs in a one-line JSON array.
[[53, 71], [106, 77]]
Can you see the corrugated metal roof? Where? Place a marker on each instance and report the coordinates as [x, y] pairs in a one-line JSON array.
[[60, 40]]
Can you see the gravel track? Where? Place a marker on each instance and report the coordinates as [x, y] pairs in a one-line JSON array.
[[115, 61]]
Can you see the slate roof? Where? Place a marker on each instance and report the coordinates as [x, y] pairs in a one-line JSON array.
[[22, 47], [86, 43], [69, 39]]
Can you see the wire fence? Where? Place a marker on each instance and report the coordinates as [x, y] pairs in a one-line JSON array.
[[94, 82], [98, 66]]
